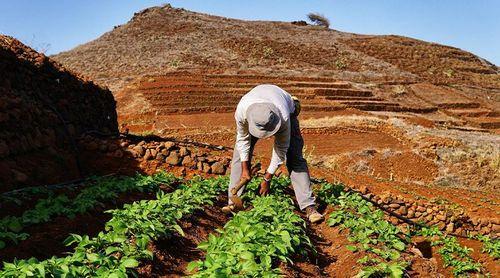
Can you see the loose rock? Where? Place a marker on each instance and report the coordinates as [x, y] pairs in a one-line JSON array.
[[148, 155], [173, 158], [218, 168], [206, 168], [139, 150], [183, 151]]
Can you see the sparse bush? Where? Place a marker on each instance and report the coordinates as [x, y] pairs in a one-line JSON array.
[[448, 180], [341, 63], [319, 19], [360, 166], [308, 154], [449, 73], [267, 52], [175, 63], [398, 90]]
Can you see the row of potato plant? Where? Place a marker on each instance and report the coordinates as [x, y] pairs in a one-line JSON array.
[[253, 241], [453, 254], [102, 189], [368, 229], [491, 246], [377, 236], [116, 251]]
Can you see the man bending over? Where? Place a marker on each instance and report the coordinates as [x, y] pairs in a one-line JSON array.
[[265, 111]]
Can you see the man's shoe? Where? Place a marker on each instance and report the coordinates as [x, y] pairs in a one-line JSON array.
[[313, 215], [228, 209]]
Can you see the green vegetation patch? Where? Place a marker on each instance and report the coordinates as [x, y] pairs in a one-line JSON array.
[[102, 189], [385, 242], [491, 246], [117, 251], [453, 254], [368, 230], [252, 242]]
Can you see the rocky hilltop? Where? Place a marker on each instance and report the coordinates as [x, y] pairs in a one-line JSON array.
[[163, 39]]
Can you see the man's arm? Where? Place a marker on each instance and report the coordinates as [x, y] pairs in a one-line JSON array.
[[281, 144], [243, 139]]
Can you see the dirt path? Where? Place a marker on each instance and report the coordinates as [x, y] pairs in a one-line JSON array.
[[172, 255]]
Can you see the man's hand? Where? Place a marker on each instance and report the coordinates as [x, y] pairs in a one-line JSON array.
[[264, 188], [264, 185]]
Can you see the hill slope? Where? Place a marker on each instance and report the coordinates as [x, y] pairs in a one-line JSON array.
[[164, 39]]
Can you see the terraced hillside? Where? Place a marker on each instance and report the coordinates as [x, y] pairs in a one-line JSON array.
[[189, 93], [186, 93]]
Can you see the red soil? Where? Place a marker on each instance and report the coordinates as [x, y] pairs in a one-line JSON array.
[[171, 255], [46, 239]]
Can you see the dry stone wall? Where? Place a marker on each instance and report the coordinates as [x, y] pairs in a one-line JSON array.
[[165, 154], [43, 107], [447, 218]]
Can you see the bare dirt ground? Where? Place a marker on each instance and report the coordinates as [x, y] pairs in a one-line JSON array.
[[424, 155], [376, 156]]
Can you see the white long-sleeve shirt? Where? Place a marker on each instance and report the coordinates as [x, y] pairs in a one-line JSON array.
[[283, 101]]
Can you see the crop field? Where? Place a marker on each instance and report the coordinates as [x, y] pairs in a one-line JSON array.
[[115, 156], [266, 239]]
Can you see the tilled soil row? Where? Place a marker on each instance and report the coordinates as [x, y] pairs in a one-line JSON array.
[[46, 240], [172, 255]]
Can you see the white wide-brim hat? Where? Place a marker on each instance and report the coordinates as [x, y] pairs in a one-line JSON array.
[[263, 119]]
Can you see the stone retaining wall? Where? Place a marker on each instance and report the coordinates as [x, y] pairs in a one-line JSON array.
[[42, 108], [450, 219], [187, 156]]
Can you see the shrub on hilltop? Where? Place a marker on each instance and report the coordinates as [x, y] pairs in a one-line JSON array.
[[319, 19]]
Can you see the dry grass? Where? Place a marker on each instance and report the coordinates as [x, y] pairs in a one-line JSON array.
[[398, 91], [353, 120], [361, 167], [330, 162], [308, 153], [465, 159]]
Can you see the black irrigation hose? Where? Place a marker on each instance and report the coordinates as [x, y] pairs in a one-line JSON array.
[[66, 184]]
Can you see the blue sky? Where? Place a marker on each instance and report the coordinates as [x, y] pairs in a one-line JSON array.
[[58, 25]]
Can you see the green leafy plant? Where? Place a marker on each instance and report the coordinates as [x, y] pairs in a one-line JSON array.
[[382, 269], [102, 189], [491, 246], [368, 229], [453, 254], [253, 240], [118, 250]]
